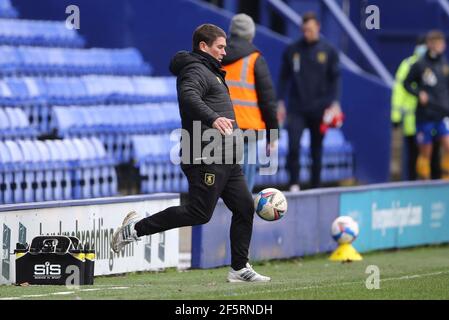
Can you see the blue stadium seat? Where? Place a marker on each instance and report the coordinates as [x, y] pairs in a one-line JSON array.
[[61, 184], [108, 176], [18, 177], [19, 127], [48, 174], [69, 157], [155, 89], [152, 156], [85, 164], [68, 62], [31, 185], [25, 92], [38, 33], [10, 61], [93, 168], [7, 10], [6, 175], [114, 125], [337, 157], [5, 127], [75, 169]]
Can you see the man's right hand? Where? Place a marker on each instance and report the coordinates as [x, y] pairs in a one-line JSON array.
[[224, 125], [423, 98], [281, 113]]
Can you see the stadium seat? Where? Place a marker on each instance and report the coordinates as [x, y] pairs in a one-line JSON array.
[[336, 159], [152, 157], [6, 175], [61, 184], [18, 178], [29, 185], [10, 60], [108, 176], [114, 124], [48, 168], [25, 60], [17, 125], [38, 33], [7, 10]]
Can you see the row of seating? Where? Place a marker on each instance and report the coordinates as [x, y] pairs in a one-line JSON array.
[[38, 33], [337, 160], [7, 10], [86, 90], [156, 157], [36, 95], [25, 60], [14, 124], [115, 124], [125, 119], [33, 170]]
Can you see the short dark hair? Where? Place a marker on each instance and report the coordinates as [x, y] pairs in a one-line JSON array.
[[435, 35], [306, 17], [207, 33]]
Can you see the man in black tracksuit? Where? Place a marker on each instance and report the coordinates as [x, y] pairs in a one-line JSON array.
[[205, 107], [310, 74], [428, 79]]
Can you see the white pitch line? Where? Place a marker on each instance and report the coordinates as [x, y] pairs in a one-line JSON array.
[[408, 277], [61, 293]]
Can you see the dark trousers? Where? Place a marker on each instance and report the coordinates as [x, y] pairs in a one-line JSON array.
[[207, 183], [411, 154], [435, 162], [295, 127]]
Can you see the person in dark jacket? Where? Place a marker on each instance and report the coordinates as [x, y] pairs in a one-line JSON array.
[[310, 80], [428, 80], [206, 108], [252, 91]]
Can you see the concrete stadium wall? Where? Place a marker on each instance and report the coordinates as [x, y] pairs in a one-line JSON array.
[[393, 215]]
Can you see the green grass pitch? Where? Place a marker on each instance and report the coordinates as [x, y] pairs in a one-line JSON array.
[[418, 273]]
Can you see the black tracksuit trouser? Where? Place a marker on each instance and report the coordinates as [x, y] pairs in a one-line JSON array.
[[207, 183], [411, 153], [295, 127]]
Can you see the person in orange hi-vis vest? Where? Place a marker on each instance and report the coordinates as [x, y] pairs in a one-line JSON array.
[[251, 89]]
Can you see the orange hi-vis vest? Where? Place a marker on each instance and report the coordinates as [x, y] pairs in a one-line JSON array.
[[242, 87]]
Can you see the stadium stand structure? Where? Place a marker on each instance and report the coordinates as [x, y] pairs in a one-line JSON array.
[[34, 170], [26, 60], [7, 10], [153, 156], [69, 116]]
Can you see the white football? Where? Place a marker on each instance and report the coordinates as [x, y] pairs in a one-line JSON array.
[[270, 204], [344, 229]]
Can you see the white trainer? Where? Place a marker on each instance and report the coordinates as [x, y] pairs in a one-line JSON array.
[[295, 188], [246, 274], [126, 233]]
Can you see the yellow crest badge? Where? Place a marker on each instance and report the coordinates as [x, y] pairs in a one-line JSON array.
[[321, 57], [209, 179]]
